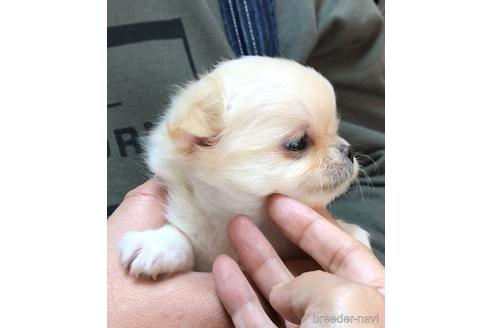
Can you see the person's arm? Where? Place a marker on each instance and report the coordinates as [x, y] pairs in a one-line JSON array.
[[184, 300]]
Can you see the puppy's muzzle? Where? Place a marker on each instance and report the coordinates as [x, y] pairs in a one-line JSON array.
[[346, 150]]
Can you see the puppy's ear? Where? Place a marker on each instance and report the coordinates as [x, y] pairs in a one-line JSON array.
[[197, 115]]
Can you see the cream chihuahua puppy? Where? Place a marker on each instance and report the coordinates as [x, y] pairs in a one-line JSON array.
[[252, 127]]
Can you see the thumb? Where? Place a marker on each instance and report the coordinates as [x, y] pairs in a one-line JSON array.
[[297, 298], [291, 299], [141, 209]]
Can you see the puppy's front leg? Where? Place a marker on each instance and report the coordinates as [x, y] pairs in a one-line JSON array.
[[355, 231], [151, 252]]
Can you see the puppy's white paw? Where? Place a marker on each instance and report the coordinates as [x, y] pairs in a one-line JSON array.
[[357, 232], [152, 252]]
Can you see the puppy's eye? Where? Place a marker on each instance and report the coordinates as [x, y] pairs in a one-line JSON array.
[[297, 145]]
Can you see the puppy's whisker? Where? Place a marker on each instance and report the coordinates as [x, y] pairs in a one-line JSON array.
[[359, 187], [360, 155], [367, 182], [367, 178], [320, 178]]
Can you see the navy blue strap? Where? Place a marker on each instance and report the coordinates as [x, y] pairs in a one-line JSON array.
[[250, 26]]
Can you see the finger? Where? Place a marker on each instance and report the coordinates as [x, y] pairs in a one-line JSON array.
[[296, 267], [332, 248], [237, 296], [327, 215], [257, 255]]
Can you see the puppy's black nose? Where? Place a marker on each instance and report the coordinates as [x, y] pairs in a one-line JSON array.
[[347, 151]]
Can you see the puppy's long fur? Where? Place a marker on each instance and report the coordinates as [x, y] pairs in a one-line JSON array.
[[252, 127]]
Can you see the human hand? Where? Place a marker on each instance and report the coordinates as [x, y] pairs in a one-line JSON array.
[[352, 283], [184, 300]]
